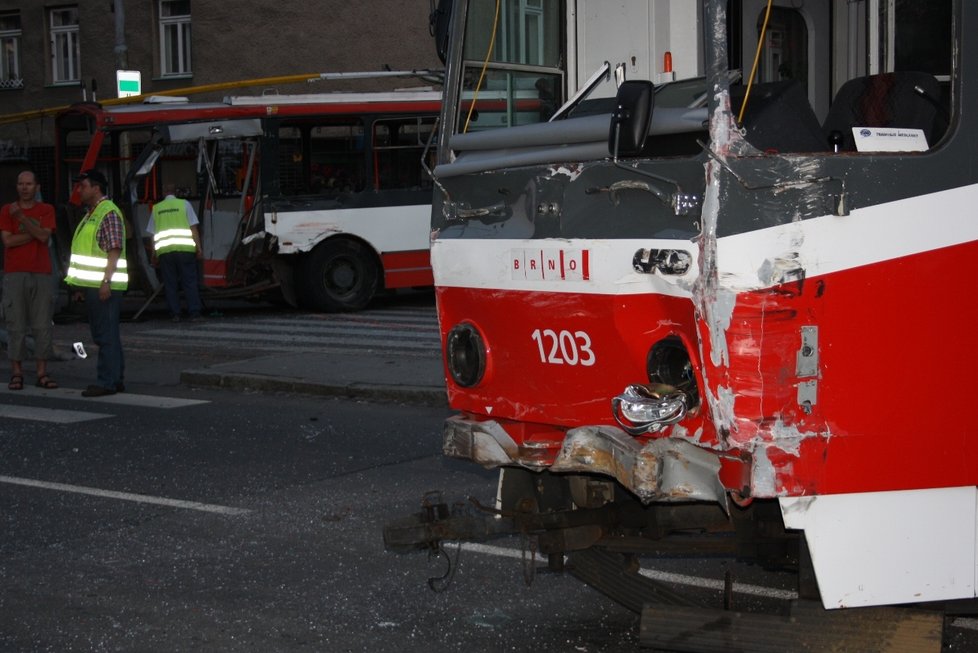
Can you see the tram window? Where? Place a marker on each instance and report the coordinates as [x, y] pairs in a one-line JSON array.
[[912, 91], [398, 146], [531, 30], [516, 79], [784, 55], [507, 99], [922, 36]]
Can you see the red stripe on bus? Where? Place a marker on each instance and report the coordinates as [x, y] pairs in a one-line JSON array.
[[407, 269], [215, 273]]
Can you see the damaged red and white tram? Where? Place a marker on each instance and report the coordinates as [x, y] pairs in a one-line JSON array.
[[721, 271]]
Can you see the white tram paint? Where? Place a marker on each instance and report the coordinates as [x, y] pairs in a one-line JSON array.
[[124, 496], [495, 264], [663, 576], [51, 415], [750, 260], [831, 244], [870, 548]]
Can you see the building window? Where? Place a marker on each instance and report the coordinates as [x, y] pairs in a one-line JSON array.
[[10, 51], [64, 45], [175, 37]]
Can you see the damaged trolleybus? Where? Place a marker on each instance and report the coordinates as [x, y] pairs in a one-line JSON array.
[[321, 197], [703, 291]]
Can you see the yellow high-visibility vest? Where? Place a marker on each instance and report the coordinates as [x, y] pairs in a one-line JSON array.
[[173, 232], [88, 262]]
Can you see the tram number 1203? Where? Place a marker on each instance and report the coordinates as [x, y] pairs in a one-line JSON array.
[[564, 347]]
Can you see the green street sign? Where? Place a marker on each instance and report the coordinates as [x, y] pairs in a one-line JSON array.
[[128, 82]]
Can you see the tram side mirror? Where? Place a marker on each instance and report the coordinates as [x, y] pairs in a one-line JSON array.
[[632, 117], [439, 26]]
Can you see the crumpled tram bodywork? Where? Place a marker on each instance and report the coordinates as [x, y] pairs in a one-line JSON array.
[[809, 306]]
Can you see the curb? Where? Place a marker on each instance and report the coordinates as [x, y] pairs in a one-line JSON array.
[[418, 395]]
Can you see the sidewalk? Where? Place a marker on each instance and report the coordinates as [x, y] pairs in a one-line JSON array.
[[375, 377], [368, 375]]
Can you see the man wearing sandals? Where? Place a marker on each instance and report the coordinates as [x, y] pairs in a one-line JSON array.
[[97, 272], [26, 226]]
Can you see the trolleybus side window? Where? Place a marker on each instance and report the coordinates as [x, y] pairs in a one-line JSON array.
[[398, 146], [321, 159]]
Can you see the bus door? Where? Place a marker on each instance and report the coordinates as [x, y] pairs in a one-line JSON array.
[[209, 164]]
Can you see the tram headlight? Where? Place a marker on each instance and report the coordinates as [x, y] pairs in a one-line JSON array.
[[465, 351], [668, 363], [666, 399], [648, 408]]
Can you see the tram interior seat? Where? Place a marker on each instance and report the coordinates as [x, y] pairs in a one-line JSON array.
[[905, 99], [779, 118]]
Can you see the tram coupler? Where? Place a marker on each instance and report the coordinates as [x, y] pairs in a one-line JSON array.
[[438, 522], [558, 531]]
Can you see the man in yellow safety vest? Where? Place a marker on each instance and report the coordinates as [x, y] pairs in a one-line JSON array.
[[97, 271], [176, 246]]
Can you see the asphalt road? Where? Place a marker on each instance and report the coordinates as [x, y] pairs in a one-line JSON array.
[[285, 552]]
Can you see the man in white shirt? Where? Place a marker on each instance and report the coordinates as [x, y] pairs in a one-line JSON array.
[[176, 246]]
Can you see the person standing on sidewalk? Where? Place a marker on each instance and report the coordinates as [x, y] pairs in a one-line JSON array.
[[97, 271], [176, 245], [26, 226]]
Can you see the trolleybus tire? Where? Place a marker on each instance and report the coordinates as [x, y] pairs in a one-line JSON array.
[[339, 275]]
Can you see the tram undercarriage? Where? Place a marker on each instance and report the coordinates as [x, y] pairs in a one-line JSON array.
[[589, 527]]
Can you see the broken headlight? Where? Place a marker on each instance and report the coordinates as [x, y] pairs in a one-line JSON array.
[[648, 408]]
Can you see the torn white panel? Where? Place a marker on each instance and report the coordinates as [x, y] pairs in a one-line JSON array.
[[829, 244], [387, 228], [885, 548]]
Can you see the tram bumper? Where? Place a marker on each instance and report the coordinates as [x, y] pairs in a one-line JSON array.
[[660, 469]]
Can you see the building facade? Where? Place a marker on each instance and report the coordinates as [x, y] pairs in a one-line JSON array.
[[53, 54]]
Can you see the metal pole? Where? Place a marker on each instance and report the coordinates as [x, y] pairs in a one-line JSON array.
[[121, 51], [220, 86]]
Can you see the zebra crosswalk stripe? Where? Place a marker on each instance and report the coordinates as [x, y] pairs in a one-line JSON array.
[[412, 333], [67, 416], [121, 398], [52, 415]]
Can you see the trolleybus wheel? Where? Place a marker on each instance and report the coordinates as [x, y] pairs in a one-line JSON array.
[[339, 275]]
